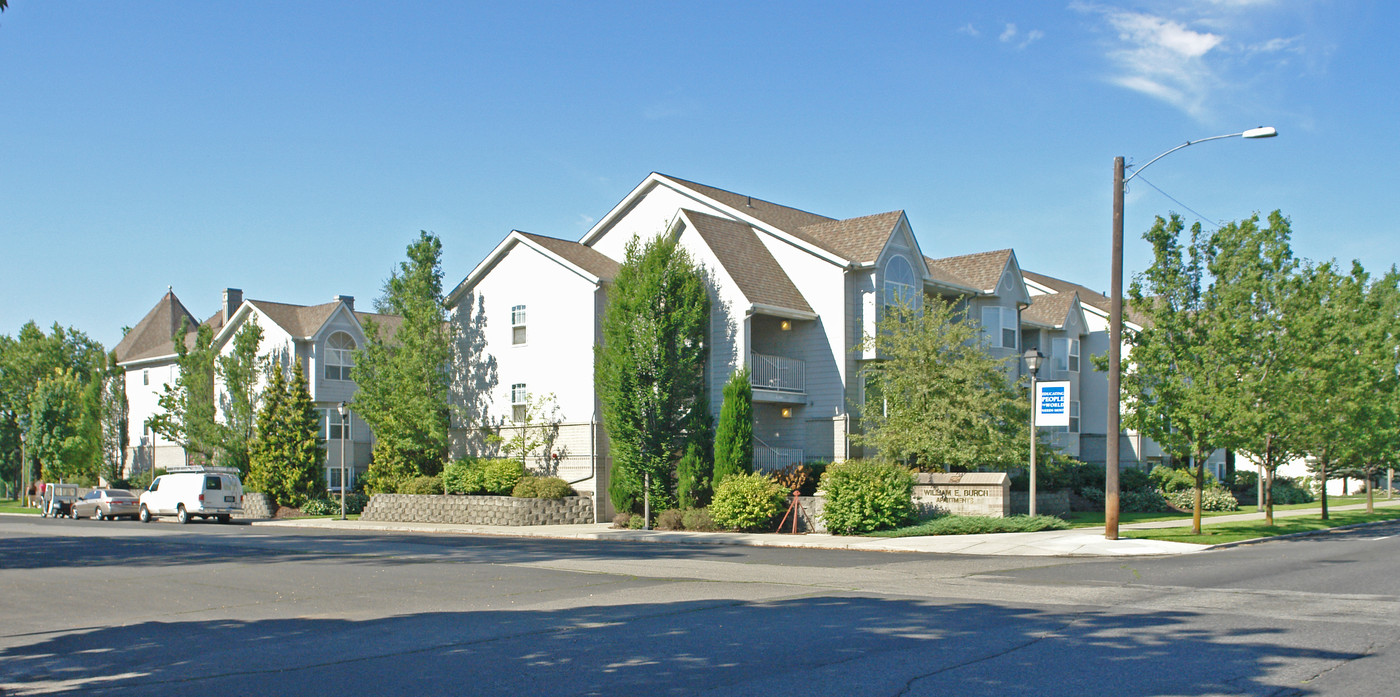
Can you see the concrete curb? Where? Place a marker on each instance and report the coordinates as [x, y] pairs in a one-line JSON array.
[[1305, 533]]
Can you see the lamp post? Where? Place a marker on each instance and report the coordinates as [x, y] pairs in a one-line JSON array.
[[344, 412], [1115, 324], [1033, 358]]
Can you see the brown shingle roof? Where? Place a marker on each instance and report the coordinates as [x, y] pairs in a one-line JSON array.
[[759, 276], [858, 240], [1087, 296], [584, 257], [300, 321], [781, 217], [152, 336], [981, 270], [1049, 310], [943, 274]]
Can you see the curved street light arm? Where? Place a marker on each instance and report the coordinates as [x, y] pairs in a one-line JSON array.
[[1138, 170]]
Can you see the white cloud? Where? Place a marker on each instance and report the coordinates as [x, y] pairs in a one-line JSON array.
[[1010, 34], [586, 221], [969, 30]]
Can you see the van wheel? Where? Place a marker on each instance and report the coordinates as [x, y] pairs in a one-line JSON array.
[[223, 518], [145, 514], [182, 515]]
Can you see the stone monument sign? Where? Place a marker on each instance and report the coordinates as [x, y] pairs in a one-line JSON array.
[[964, 493]]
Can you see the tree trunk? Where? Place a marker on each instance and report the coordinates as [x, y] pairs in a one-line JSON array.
[[1322, 477], [1200, 484], [1370, 495], [1269, 484]]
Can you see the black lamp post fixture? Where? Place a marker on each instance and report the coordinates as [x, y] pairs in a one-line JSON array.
[[1033, 360], [1115, 325], [344, 413]]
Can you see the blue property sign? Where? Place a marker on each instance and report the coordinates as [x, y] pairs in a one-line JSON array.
[[1052, 403]]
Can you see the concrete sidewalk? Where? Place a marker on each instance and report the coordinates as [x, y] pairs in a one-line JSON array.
[[1078, 542]]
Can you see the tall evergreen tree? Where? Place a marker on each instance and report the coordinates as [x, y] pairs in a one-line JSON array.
[[287, 458], [734, 431], [650, 368], [403, 379]]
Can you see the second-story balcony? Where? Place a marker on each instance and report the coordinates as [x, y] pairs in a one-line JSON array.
[[777, 378]]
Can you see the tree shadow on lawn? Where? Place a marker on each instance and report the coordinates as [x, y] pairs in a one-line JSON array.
[[808, 646]]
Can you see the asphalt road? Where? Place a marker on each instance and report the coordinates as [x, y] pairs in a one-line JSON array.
[[99, 608]]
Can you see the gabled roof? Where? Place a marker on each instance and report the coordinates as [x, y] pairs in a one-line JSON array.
[[759, 276], [782, 217], [152, 336], [305, 321], [1050, 310], [982, 270], [943, 274], [1087, 296], [584, 257], [859, 240]]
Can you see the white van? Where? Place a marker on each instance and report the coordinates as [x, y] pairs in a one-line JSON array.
[[189, 492]]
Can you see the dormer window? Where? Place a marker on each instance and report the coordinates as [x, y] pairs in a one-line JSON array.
[[899, 282], [340, 356], [517, 325]]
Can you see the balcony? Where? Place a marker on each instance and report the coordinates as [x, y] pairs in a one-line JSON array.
[[766, 459], [777, 379]]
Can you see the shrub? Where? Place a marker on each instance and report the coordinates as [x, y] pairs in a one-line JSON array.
[[670, 519], [1134, 501], [866, 495], [1289, 491], [532, 487], [499, 476], [1212, 499], [1171, 480], [421, 486], [622, 520], [693, 478], [1133, 479], [636, 522], [698, 519], [977, 525], [747, 502], [330, 505]]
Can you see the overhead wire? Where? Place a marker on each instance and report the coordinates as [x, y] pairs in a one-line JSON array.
[[1199, 216]]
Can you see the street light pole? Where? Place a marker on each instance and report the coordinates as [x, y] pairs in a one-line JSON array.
[[1033, 358], [343, 413], [1115, 325]]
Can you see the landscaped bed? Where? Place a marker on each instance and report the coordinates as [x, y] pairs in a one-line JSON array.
[[1221, 533]]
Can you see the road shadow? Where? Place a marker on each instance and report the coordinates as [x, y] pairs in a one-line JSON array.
[[807, 646]]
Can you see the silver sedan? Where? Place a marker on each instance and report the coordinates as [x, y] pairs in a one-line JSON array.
[[104, 504]]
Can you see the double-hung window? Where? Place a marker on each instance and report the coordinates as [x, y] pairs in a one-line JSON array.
[[517, 325], [1001, 326], [1067, 354], [518, 397], [332, 427], [1074, 416]]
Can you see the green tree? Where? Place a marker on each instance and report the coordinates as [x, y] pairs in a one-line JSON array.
[[734, 431], [1252, 270], [935, 398], [650, 368], [114, 420], [27, 358], [403, 378], [693, 478], [535, 433], [239, 372], [187, 406], [1173, 384], [64, 436], [287, 457]]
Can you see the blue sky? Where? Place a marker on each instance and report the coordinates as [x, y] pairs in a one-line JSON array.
[[294, 149]]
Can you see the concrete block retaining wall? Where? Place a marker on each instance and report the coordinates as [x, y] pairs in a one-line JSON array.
[[478, 510], [258, 505]]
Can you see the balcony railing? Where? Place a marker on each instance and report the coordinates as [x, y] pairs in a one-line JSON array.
[[766, 459], [777, 373]]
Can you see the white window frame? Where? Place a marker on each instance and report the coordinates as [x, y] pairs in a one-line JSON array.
[[898, 289], [519, 396], [146, 377], [333, 477], [339, 359], [1066, 354], [996, 322], [330, 419], [1074, 416], [517, 326]]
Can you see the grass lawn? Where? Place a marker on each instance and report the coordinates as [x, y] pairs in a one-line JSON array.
[[1253, 529], [1094, 519], [13, 506], [975, 525]]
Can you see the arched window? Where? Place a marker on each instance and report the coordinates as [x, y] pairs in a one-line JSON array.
[[899, 282], [340, 356]]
